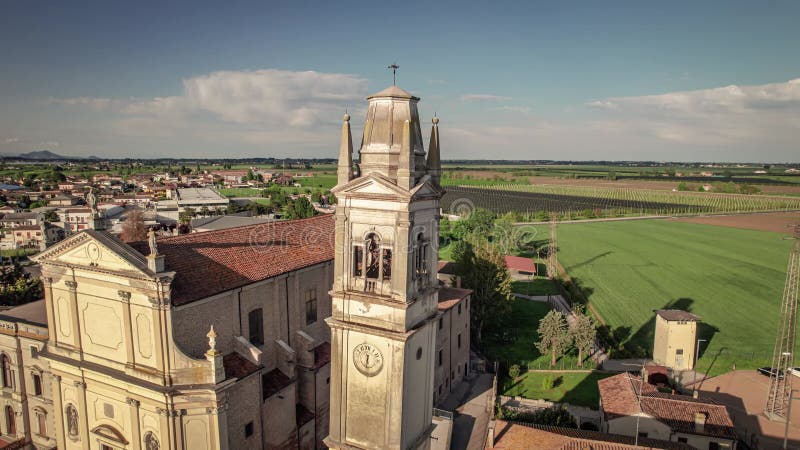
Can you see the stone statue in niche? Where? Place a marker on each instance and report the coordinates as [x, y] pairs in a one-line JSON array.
[[150, 442], [72, 421]]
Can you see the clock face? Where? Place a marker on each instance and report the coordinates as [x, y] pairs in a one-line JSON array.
[[368, 359]]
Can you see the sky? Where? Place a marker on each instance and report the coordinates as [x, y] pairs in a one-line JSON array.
[[664, 81]]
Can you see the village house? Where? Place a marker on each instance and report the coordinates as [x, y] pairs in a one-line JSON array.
[[630, 406]]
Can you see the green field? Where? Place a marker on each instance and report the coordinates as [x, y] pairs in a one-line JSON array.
[[732, 278], [576, 388], [240, 192]]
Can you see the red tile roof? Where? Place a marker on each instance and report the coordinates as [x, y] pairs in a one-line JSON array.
[[618, 397], [213, 262], [449, 297], [514, 436], [520, 264]]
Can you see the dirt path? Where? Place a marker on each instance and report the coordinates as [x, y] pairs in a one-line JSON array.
[[779, 222]]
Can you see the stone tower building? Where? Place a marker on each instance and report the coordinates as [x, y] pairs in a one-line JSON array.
[[385, 289]]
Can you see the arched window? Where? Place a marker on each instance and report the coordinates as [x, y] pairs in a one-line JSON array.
[[10, 420], [6, 363], [421, 256]]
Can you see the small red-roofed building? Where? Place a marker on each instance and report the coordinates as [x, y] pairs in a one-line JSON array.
[[631, 406], [520, 267]]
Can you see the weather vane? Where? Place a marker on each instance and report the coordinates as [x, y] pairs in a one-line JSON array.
[[394, 68]]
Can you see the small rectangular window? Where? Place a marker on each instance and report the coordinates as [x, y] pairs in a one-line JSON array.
[[441, 357], [255, 322], [387, 264], [37, 384], [441, 323], [459, 340], [459, 308], [248, 429], [42, 422], [683, 440], [679, 351], [358, 261], [311, 306]]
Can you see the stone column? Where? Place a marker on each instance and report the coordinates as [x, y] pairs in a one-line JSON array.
[[82, 412], [76, 325], [125, 297], [50, 308], [58, 412], [136, 433]]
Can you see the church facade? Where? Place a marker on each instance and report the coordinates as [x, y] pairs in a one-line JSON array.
[[273, 336]]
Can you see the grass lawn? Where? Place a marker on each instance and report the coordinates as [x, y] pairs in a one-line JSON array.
[[240, 192], [732, 278], [514, 341], [318, 181], [576, 388], [537, 286]]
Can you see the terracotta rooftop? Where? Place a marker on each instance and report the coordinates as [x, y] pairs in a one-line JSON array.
[[674, 315], [519, 263], [447, 267], [618, 395], [516, 436], [450, 296], [212, 262]]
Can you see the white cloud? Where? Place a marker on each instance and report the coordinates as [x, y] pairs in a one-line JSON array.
[[266, 97], [11, 140], [50, 144], [470, 98], [515, 109]]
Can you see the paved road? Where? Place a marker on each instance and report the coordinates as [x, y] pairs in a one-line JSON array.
[[472, 416]]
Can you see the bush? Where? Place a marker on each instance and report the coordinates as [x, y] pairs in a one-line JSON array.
[[513, 372], [548, 382]]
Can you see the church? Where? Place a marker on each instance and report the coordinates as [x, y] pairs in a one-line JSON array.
[[331, 331]]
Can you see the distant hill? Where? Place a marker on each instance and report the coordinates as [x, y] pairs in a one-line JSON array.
[[42, 154]]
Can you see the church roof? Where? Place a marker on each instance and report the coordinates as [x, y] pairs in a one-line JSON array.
[[395, 92], [213, 262]]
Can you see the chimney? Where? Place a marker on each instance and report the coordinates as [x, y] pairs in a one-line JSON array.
[[458, 281], [700, 421]]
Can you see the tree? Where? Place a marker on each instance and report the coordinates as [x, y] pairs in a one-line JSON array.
[[300, 209], [134, 229], [554, 335], [482, 268], [583, 333], [51, 216]]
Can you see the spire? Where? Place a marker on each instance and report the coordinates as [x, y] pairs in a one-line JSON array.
[[345, 171], [385, 147], [404, 163], [434, 165]]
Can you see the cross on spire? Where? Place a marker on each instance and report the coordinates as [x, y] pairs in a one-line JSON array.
[[394, 68]]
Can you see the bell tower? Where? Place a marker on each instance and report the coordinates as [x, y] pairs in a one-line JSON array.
[[385, 291]]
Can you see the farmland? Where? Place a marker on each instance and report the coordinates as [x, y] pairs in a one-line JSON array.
[[731, 278], [607, 202]]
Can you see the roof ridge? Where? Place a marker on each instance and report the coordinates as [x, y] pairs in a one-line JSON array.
[[226, 230]]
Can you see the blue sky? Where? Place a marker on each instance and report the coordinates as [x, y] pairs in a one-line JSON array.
[[516, 80]]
